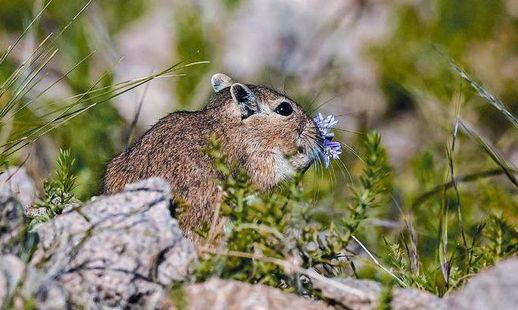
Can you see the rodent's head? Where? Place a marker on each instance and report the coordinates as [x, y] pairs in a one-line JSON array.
[[272, 134]]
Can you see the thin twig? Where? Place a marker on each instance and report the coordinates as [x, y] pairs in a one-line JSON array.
[[213, 229], [290, 268]]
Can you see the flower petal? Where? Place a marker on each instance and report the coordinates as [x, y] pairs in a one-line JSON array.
[[331, 148]]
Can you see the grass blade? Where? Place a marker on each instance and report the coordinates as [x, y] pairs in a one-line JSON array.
[[493, 153], [484, 93]]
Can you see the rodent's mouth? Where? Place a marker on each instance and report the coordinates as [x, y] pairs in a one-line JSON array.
[[310, 144], [308, 153]]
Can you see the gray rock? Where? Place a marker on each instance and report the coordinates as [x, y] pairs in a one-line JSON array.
[[12, 221], [234, 295], [116, 251], [17, 183], [11, 270], [494, 288], [364, 294], [21, 286], [410, 298], [11, 226]]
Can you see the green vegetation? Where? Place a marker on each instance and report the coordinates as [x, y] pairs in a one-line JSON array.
[[57, 193], [268, 232], [430, 221], [278, 226]]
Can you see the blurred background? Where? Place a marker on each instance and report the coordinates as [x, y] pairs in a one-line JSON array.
[[375, 64]]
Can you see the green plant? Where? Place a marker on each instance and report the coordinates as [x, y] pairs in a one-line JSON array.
[[57, 192], [499, 240], [256, 226], [264, 229], [373, 184]]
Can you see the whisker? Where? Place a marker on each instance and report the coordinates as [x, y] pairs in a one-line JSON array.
[[315, 184], [350, 114], [332, 174], [321, 105], [312, 101], [349, 176], [353, 152], [319, 173], [349, 131]]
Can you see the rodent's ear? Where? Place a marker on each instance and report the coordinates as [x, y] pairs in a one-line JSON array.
[[245, 99], [220, 81]]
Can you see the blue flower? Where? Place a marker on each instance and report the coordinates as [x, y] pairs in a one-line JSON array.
[[331, 149]]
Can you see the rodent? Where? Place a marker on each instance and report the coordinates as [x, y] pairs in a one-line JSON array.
[[266, 133]]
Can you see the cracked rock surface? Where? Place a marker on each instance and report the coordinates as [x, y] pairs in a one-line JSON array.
[[116, 251]]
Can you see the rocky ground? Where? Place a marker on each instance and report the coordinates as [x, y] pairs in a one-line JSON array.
[[125, 250]]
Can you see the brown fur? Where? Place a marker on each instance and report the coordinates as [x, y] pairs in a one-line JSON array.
[[174, 149]]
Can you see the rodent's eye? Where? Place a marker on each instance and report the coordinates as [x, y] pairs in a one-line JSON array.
[[284, 109]]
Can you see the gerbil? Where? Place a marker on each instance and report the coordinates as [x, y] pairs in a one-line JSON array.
[[266, 133]]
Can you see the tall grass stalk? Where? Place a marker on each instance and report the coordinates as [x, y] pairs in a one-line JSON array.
[[29, 74]]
